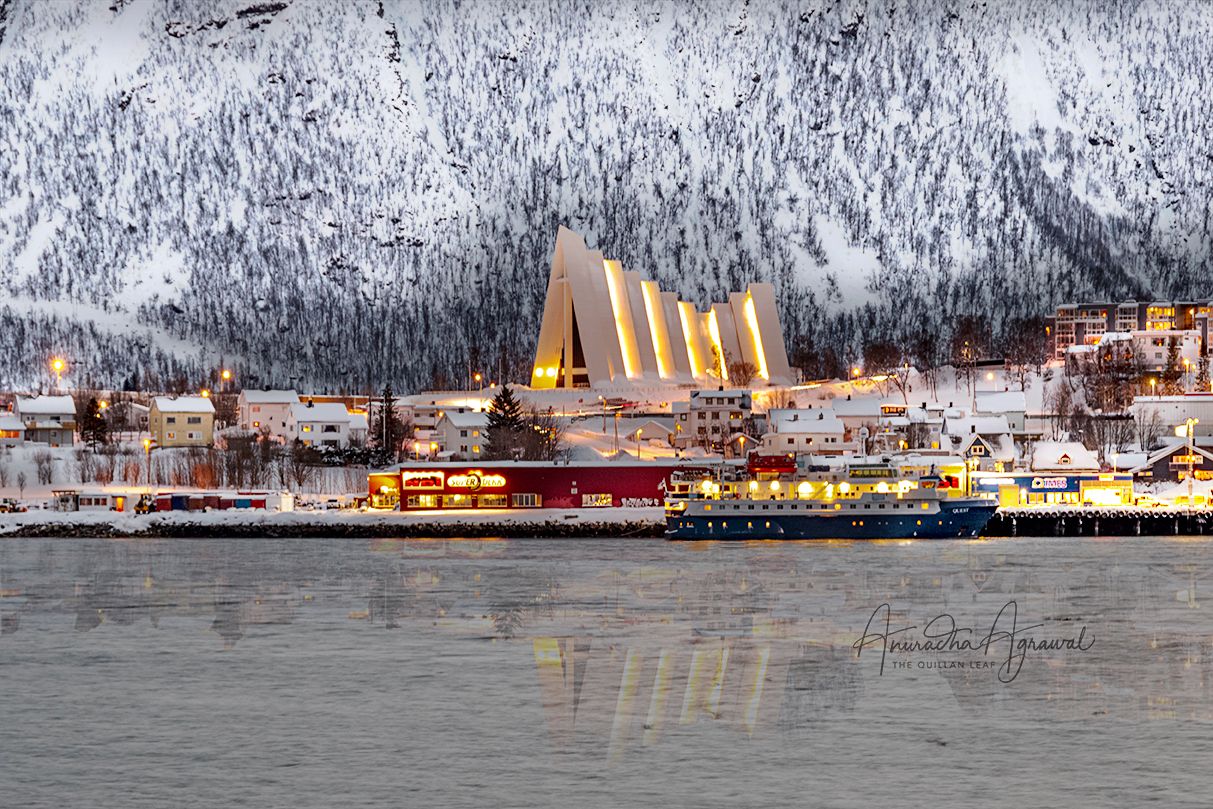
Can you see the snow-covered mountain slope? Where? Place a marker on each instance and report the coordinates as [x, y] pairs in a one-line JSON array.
[[341, 194]]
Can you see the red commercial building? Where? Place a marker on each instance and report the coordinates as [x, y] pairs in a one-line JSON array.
[[519, 484]]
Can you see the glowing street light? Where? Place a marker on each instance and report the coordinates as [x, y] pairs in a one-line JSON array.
[[58, 365], [1153, 383], [855, 372], [226, 375]]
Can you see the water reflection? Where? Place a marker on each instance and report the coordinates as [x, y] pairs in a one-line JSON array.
[[632, 642]]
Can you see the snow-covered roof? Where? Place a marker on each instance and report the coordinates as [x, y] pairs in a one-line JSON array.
[[805, 421], [866, 406], [46, 406], [467, 421], [358, 421], [1109, 337], [650, 428], [1063, 456], [270, 396], [329, 412], [8, 422], [979, 425], [1001, 447], [1007, 401], [184, 404]]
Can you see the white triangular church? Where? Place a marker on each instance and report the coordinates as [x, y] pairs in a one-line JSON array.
[[604, 326]]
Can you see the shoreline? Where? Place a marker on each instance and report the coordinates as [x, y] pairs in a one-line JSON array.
[[638, 523]]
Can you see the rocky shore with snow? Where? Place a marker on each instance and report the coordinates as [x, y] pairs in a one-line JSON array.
[[555, 523]]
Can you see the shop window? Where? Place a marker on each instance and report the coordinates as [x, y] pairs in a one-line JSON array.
[[493, 501], [423, 501], [596, 500], [525, 500], [457, 501]]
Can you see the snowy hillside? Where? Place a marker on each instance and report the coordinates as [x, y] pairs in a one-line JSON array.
[[340, 194]]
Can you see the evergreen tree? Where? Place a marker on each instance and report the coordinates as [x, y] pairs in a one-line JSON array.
[[505, 426], [93, 428], [388, 432], [1202, 374], [1173, 370]]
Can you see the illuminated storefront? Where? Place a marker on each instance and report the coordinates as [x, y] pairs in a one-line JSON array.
[[1043, 489], [521, 484]]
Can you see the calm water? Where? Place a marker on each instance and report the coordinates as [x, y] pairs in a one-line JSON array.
[[601, 673]]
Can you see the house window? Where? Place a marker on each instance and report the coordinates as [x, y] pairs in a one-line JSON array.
[[330, 428], [193, 419], [256, 424], [172, 436], [463, 433], [525, 500], [475, 448], [256, 408], [596, 500], [191, 436], [475, 433], [170, 420], [307, 428]]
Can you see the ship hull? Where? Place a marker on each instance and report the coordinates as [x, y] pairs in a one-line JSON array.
[[956, 519]]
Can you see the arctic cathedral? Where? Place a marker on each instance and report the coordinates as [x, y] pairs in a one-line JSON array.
[[604, 326]]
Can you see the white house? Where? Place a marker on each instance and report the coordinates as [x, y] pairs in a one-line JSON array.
[[709, 417], [259, 410], [820, 432], [462, 434], [318, 424], [984, 441], [47, 419], [12, 431]]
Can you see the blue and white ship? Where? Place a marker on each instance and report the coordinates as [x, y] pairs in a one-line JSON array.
[[868, 500]]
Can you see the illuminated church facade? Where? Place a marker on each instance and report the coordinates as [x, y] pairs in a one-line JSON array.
[[605, 326]]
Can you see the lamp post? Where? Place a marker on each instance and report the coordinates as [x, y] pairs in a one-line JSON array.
[[639, 431], [1191, 425], [226, 376], [147, 451], [1153, 384]]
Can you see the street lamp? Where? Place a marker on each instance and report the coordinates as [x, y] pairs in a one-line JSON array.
[[1153, 383], [639, 431], [147, 451], [58, 365], [205, 393]]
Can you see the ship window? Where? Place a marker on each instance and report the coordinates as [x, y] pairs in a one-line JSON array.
[[867, 505], [749, 525], [926, 506], [882, 505], [780, 506]]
